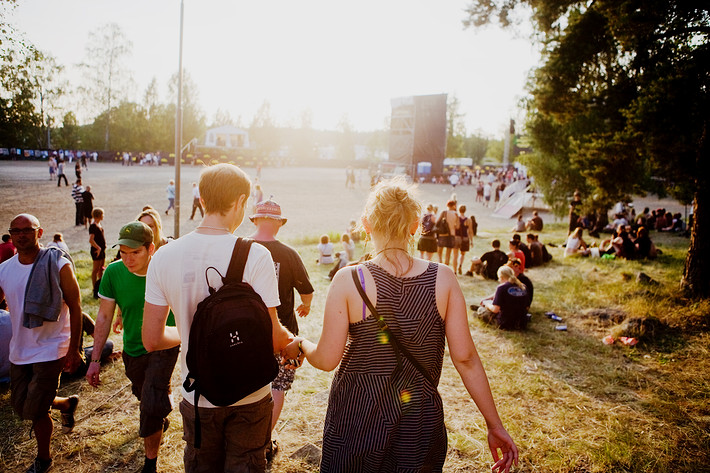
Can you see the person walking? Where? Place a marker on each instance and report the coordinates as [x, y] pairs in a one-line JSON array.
[[196, 204], [291, 274], [384, 412], [234, 438], [45, 309], [123, 286], [170, 191], [60, 174]]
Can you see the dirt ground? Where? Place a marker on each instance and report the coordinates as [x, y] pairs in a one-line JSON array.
[[315, 200]]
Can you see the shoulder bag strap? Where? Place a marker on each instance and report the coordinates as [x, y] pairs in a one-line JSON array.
[[382, 323]]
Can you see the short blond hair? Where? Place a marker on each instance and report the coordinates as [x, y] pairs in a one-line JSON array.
[[221, 185]]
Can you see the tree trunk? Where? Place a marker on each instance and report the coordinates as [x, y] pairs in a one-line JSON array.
[[696, 275]]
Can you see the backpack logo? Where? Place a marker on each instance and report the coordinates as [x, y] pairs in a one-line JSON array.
[[234, 339]]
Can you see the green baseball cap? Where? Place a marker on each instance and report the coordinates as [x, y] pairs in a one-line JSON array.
[[134, 235]]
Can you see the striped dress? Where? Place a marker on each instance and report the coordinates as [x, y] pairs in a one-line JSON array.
[[383, 417]]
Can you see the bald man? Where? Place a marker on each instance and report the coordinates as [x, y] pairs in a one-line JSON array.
[[45, 309]]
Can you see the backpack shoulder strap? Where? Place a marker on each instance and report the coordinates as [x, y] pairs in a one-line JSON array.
[[235, 272]]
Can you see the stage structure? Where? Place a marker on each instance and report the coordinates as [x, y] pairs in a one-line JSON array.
[[418, 131]]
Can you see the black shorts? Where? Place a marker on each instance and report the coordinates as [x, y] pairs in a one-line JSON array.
[[97, 255], [427, 244], [447, 241], [463, 244], [150, 382]]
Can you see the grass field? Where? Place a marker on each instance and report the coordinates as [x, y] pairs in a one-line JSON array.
[[572, 403]]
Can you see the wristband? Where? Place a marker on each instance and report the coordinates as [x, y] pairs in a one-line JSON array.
[[96, 361], [300, 347]]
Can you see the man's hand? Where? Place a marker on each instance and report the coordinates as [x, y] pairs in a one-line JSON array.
[[72, 361], [117, 324], [93, 374], [303, 310]]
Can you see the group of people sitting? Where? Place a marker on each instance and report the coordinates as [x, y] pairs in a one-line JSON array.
[[625, 243]]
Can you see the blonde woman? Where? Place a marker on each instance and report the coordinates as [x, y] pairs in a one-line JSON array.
[[507, 307], [98, 248], [385, 413], [150, 217]]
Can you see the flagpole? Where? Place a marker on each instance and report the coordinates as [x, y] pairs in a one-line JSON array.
[[178, 131]]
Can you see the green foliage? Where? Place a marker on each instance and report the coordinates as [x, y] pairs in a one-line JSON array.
[[106, 77], [620, 105], [455, 129]]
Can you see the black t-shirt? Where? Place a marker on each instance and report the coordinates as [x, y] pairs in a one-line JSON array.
[[513, 302], [528, 287], [98, 233], [526, 251], [291, 274], [494, 260]]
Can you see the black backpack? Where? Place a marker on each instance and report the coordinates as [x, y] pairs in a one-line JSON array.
[[230, 352], [427, 224]]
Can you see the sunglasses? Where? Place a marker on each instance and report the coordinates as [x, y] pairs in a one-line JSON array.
[[22, 231]]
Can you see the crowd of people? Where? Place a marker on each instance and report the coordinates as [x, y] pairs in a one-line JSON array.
[[150, 293], [630, 233]]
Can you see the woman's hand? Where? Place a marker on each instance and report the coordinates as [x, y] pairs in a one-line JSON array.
[[498, 438]]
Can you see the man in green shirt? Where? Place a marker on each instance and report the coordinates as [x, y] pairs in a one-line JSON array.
[[123, 285]]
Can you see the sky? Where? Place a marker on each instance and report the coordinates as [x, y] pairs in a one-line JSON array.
[[332, 58]]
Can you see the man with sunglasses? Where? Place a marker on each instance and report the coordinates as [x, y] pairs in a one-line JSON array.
[[45, 309]]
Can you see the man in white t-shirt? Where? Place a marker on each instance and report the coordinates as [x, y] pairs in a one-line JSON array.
[[234, 438], [40, 353], [196, 204]]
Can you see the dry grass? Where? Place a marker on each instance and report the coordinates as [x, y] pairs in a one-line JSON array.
[[571, 403]]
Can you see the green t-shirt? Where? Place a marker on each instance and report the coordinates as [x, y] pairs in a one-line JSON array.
[[128, 290]]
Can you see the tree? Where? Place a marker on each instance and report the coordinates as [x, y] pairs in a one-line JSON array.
[[620, 104], [455, 129], [68, 134], [262, 132], [107, 79], [29, 88], [475, 147], [193, 118], [222, 117], [345, 148]]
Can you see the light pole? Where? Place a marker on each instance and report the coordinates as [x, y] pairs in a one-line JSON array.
[[178, 131]]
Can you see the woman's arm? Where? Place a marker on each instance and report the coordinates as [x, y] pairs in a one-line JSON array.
[[468, 364], [93, 243], [326, 355]]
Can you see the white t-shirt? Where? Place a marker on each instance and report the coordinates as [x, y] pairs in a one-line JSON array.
[[572, 245], [326, 253], [176, 278], [46, 343]]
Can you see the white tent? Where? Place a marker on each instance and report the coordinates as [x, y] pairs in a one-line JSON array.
[[226, 136]]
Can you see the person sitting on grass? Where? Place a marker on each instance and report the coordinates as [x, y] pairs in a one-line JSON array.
[[508, 306], [522, 277], [535, 223], [536, 252], [575, 245], [515, 251], [325, 250], [644, 245], [487, 265]]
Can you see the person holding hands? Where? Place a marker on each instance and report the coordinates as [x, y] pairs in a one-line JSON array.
[[385, 413]]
